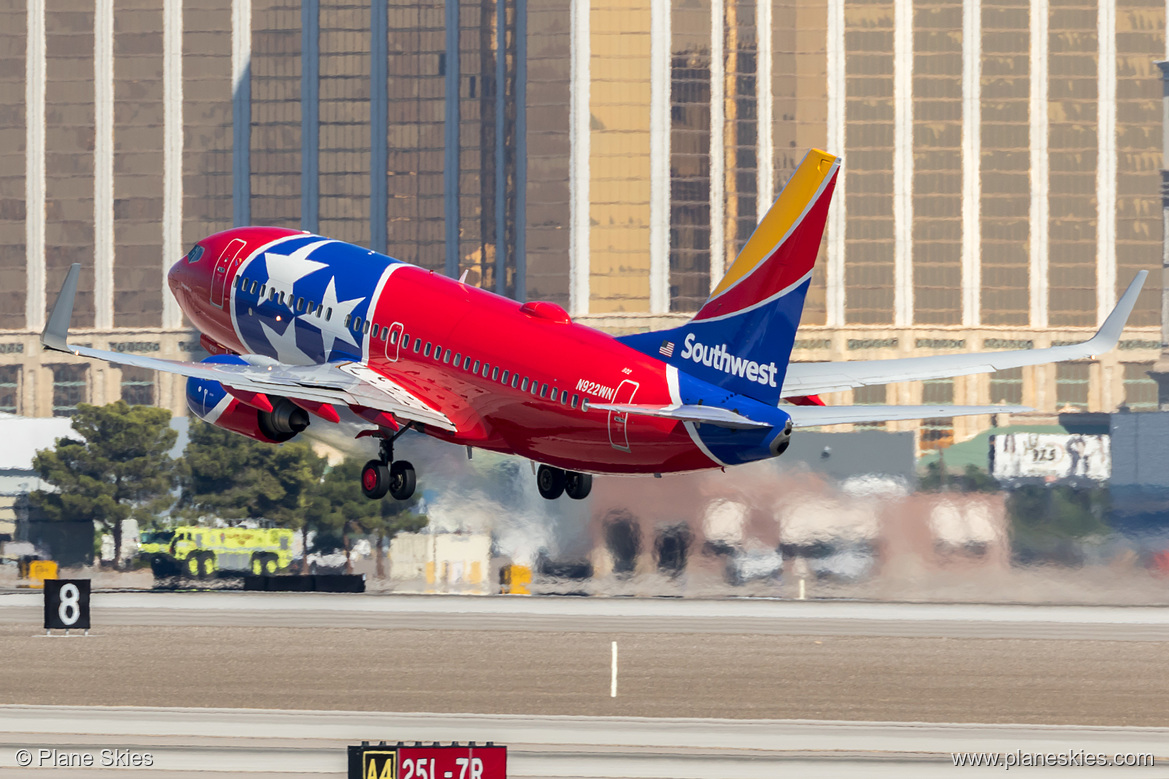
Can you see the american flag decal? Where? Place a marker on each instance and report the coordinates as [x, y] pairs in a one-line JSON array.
[[667, 348]]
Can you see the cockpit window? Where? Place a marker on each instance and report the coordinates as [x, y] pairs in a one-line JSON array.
[[195, 253]]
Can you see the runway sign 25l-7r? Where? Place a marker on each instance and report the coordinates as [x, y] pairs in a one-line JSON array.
[[66, 604], [398, 761]]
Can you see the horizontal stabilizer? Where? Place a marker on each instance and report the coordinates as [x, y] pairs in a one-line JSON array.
[[810, 378], [814, 416], [709, 415]]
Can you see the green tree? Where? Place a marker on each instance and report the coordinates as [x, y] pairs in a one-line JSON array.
[[339, 509], [119, 469], [230, 476], [1050, 523], [972, 479]]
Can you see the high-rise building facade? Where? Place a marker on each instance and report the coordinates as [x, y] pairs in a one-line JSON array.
[[1001, 167]]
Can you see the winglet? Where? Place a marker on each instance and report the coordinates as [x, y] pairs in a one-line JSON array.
[[56, 332], [1108, 335]]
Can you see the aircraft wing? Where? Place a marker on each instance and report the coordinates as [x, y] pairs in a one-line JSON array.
[[813, 378], [814, 416], [345, 383], [710, 415]]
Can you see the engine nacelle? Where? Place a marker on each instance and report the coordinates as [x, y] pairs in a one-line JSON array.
[[209, 401]]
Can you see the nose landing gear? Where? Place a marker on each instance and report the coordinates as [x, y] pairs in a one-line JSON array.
[[554, 482], [385, 475]]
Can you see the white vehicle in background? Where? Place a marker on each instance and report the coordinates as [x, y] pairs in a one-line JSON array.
[[754, 564]]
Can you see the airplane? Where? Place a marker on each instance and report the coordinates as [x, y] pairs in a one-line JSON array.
[[306, 330]]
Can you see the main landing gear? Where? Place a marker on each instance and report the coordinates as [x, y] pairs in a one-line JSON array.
[[387, 475], [554, 482]]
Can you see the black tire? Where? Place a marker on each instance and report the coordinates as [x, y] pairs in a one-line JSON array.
[[375, 479], [256, 566], [269, 564], [206, 565], [403, 480], [578, 485], [550, 482]]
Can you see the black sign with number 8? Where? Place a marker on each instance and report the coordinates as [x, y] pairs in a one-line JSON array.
[[66, 604]]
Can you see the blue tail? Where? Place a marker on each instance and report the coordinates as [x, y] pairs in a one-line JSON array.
[[742, 337]]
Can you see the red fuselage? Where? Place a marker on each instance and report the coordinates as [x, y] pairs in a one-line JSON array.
[[512, 378]]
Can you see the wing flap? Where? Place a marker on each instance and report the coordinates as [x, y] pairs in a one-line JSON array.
[[710, 415], [811, 378], [815, 416]]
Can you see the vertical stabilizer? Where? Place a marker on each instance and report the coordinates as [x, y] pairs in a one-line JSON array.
[[742, 337]]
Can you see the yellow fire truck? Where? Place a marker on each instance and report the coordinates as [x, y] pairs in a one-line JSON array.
[[202, 551]]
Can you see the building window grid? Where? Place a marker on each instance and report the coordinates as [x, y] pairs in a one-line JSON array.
[[70, 387], [1140, 391], [937, 433], [1006, 386], [138, 386], [1072, 384], [10, 389]]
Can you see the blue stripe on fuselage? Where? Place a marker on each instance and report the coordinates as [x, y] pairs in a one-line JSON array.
[[332, 275]]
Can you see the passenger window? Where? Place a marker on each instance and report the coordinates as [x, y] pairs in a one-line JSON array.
[[418, 345], [299, 305], [486, 370], [282, 299], [347, 317], [467, 363], [254, 285], [544, 391], [376, 330], [575, 400], [563, 397], [328, 314], [446, 356], [504, 377], [240, 282], [426, 351], [476, 368], [263, 291], [495, 373], [394, 337], [524, 385], [357, 324], [405, 340], [366, 326], [312, 307], [515, 380], [458, 359]]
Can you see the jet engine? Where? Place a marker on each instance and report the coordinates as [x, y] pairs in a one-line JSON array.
[[211, 402]]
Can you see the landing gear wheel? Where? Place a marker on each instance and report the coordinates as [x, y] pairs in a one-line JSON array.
[[550, 482], [375, 479], [578, 485], [402, 480]]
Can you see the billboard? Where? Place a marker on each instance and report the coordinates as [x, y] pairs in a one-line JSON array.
[[1051, 457]]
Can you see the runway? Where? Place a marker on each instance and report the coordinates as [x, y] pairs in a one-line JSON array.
[[610, 615], [312, 743], [276, 684]]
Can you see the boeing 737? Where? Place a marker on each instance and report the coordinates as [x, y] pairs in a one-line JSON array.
[[307, 330]]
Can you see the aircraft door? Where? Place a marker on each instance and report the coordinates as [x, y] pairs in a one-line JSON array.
[[619, 421], [228, 261], [394, 341]]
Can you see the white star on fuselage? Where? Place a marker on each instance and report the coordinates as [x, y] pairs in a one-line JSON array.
[[334, 329], [285, 344], [284, 270]]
